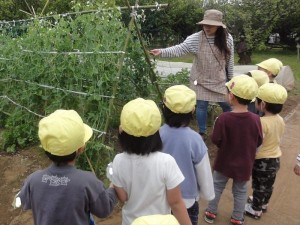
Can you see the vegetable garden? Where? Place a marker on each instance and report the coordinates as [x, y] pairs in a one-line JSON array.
[[89, 62]]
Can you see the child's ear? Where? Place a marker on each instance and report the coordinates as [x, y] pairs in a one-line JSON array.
[[80, 150], [262, 106], [230, 97], [120, 129]]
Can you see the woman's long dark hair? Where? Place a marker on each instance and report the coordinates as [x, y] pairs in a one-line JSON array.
[[221, 41]]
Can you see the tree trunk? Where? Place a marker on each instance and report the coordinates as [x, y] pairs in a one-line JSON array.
[[244, 58]]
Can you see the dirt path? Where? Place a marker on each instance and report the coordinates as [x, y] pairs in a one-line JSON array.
[[283, 209], [284, 205]]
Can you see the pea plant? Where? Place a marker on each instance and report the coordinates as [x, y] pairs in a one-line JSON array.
[[91, 63]]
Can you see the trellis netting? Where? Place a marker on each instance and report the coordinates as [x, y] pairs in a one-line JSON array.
[[71, 62]]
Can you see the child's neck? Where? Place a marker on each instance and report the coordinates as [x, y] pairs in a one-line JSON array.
[[72, 163], [268, 113], [239, 108]]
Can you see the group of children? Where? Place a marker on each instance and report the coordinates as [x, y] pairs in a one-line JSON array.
[[165, 169], [248, 141]]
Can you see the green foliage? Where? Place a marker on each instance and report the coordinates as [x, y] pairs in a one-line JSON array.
[[182, 77], [288, 24], [287, 57], [20, 9], [257, 19], [39, 70], [167, 25]]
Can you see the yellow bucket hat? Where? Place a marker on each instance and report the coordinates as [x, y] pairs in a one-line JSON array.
[[180, 99], [140, 118], [261, 77], [272, 93], [273, 65], [63, 132], [243, 86], [156, 220]]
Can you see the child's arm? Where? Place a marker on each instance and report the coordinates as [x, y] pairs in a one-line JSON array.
[[205, 179], [178, 207], [216, 136], [121, 193]]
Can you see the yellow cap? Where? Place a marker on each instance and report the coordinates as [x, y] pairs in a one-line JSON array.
[[272, 93], [63, 132], [261, 77], [273, 65], [140, 117], [243, 86], [180, 99], [156, 220]]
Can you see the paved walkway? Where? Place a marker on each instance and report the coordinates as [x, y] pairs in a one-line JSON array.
[[284, 206], [165, 68]]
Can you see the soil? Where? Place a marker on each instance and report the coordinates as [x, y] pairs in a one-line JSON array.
[[15, 168]]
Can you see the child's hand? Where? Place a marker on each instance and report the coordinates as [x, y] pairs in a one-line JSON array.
[[297, 170], [109, 171]]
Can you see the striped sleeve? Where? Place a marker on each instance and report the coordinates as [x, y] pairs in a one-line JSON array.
[[298, 160], [190, 45], [230, 61]]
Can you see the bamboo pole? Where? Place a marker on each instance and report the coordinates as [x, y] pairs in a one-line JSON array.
[[115, 86], [152, 73]]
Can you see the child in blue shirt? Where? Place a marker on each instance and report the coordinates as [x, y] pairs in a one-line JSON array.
[[187, 147]]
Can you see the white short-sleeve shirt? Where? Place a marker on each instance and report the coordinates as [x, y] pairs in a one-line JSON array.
[[146, 180]]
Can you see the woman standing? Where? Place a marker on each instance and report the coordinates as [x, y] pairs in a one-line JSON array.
[[213, 63]]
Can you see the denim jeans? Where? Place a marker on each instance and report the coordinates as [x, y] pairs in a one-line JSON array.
[[193, 212], [201, 113], [239, 191]]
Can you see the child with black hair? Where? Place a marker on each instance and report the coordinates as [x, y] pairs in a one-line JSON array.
[[145, 179], [261, 77], [272, 67], [187, 147], [237, 134], [270, 100], [62, 194]]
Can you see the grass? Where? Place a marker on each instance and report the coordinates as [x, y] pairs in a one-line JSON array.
[[286, 56]]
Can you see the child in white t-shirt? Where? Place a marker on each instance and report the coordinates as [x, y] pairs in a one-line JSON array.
[[145, 179]]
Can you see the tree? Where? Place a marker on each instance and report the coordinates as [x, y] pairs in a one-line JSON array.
[[288, 24], [168, 25], [256, 20]]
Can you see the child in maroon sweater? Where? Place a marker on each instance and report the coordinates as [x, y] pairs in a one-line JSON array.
[[237, 134]]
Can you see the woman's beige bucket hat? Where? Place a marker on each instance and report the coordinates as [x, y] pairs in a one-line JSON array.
[[213, 17]]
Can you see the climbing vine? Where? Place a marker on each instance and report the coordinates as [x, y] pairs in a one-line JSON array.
[[69, 62]]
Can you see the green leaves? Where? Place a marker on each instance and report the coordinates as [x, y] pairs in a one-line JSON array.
[[70, 63]]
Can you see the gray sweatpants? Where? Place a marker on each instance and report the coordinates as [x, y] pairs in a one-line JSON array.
[[239, 191]]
